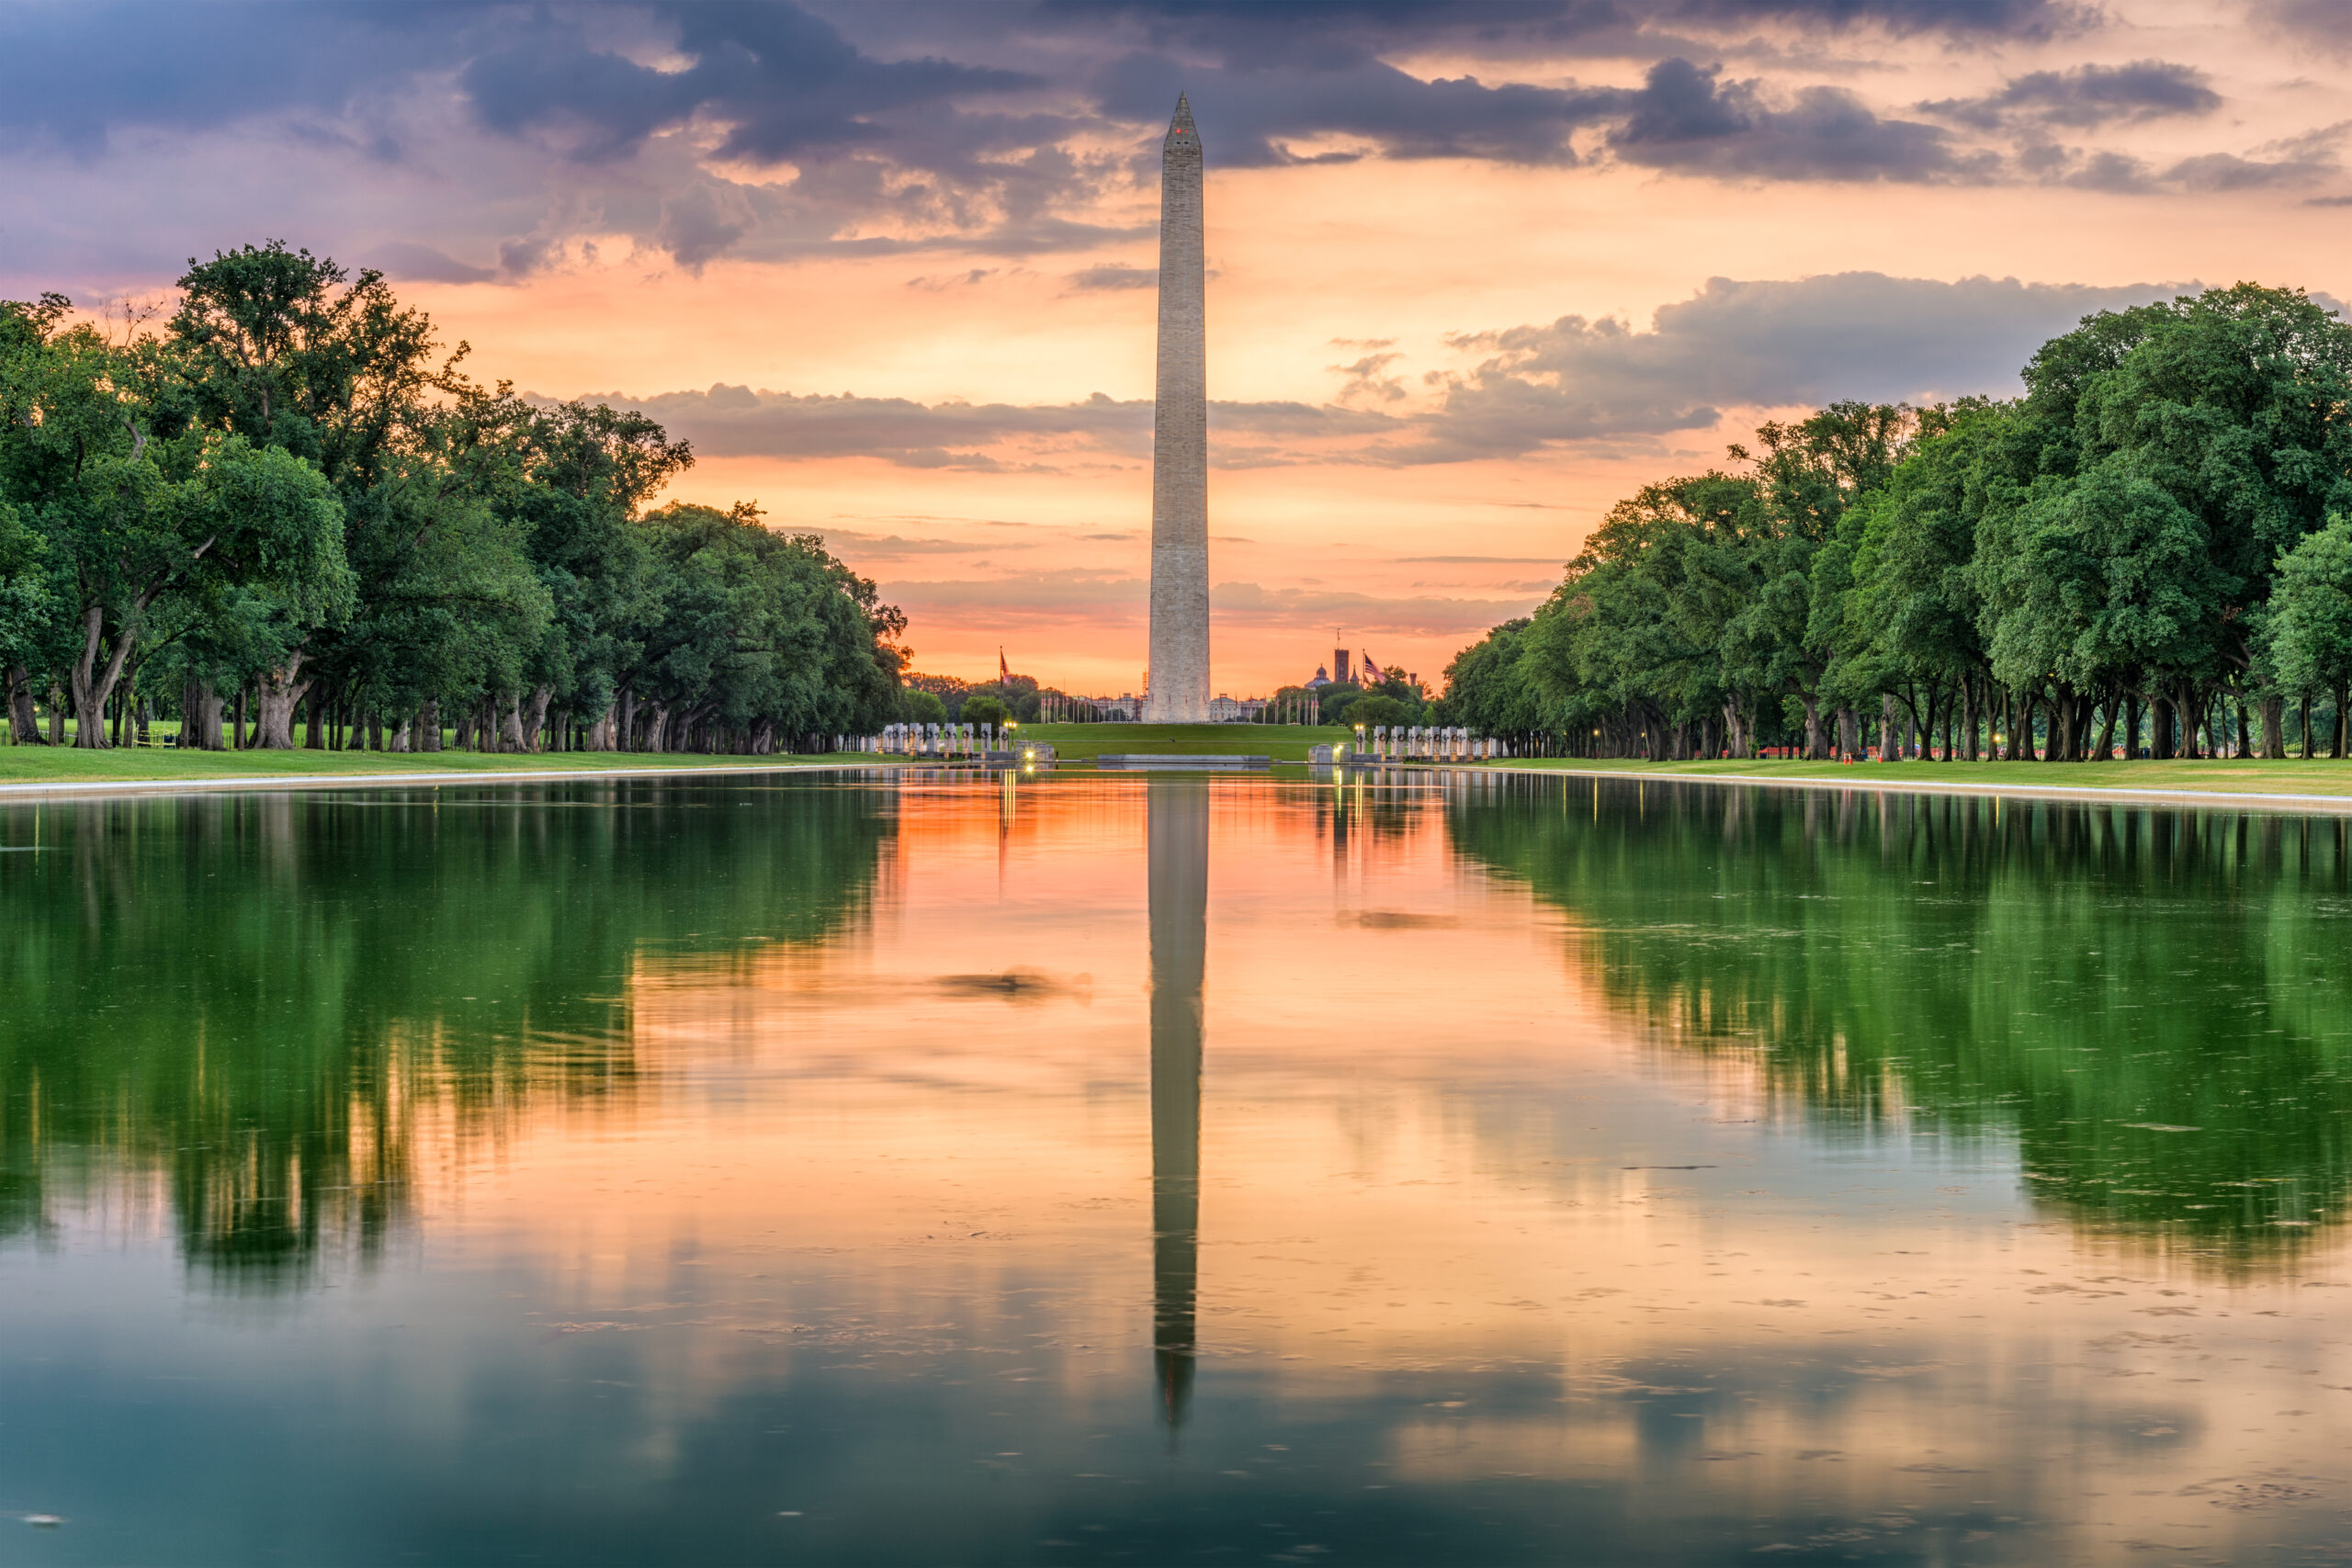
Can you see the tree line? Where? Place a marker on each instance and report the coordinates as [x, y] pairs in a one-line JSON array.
[[2148, 549], [1393, 699], [284, 501]]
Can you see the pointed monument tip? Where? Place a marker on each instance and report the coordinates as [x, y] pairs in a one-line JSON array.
[[1183, 120]]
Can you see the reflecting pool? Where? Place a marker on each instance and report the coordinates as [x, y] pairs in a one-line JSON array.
[[845, 1169]]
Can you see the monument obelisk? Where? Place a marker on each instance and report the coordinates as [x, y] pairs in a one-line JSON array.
[[1180, 444]]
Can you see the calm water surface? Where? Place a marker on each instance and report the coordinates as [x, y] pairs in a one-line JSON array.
[[832, 1170]]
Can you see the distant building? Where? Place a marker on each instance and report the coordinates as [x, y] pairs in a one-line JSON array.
[[1340, 665], [1322, 679], [1235, 710]]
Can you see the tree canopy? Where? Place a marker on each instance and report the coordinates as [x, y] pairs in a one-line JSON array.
[[291, 494], [2143, 541]]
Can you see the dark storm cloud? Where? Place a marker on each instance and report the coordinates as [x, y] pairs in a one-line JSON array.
[[72, 75], [1260, 115], [1735, 344], [405, 262], [1249, 29], [867, 547], [1113, 276], [2326, 22], [1685, 118], [519, 132], [1365, 615], [736, 422], [2226, 171], [2092, 94], [1047, 597], [1984, 18], [785, 84]]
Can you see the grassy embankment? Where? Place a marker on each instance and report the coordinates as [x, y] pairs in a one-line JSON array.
[[1072, 742], [1283, 742], [64, 764], [1081, 743], [2320, 776]]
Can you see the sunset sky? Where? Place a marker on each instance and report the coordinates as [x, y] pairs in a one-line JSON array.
[[1476, 269]]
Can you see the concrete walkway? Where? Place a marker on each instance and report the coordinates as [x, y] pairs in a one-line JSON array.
[[46, 789], [1959, 785]]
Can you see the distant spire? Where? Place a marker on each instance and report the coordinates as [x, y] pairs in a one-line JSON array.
[[1183, 120]]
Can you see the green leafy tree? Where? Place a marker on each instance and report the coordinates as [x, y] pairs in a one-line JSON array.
[[2236, 408], [1380, 709], [2310, 630], [1486, 689]]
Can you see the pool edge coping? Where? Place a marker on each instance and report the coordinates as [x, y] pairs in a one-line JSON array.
[[2143, 795], [256, 782]]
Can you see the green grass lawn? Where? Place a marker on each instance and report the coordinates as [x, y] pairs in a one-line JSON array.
[[45, 764], [2292, 777], [1283, 742]]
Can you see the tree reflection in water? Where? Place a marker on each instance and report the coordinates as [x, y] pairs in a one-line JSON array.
[[2146, 999], [262, 998]]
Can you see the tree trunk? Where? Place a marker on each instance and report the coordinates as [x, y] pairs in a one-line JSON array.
[[314, 722], [24, 723], [627, 732], [2274, 728], [92, 686], [1968, 718], [2106, 748], [428, 724], [280, 690], [2307, 726], [531, 714], [200, 716]]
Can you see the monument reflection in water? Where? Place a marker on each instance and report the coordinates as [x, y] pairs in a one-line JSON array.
[[1178, 827]]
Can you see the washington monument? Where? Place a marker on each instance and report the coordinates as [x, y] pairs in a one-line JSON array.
[[1180, 444]]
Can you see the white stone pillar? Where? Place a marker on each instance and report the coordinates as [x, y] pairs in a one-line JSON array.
[[1180, 443]]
